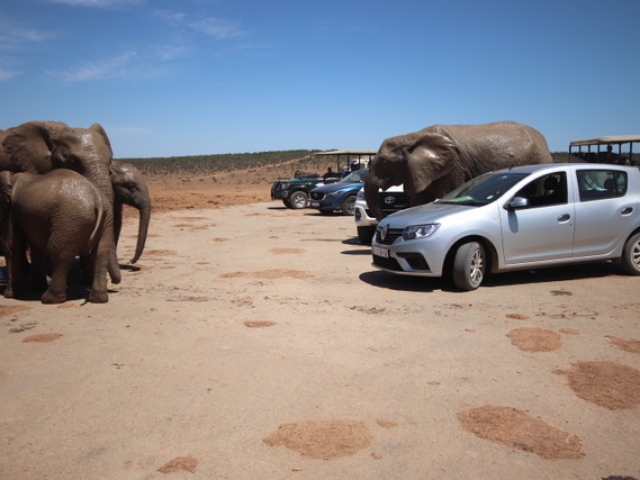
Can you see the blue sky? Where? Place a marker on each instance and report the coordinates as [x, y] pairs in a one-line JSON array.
[[191, 77]]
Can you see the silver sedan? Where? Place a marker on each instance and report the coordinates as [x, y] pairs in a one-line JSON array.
[[515, 219]]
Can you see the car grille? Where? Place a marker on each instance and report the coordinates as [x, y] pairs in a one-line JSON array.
[[387, 263], [391, 236], [317, 196]]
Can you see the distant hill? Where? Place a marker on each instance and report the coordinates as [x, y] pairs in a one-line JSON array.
[[294, 160]]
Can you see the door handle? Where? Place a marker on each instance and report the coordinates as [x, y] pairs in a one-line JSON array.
[[627, 210], [564, 217]]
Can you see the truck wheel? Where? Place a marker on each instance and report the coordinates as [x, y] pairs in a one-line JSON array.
[[349, 206], [630, 260], [298, 200], [365, 234], [469, 265]]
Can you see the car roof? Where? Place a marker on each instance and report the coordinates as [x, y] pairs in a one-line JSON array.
[[552, 166]]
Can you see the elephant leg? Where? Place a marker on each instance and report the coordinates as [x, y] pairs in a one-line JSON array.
[[57, 291], [15, 258], [87, 269], [98, 291], [421, 198], [38, 270], [98, 262]]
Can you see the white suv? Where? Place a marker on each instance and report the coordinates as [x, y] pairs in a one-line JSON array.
[[390, 200]]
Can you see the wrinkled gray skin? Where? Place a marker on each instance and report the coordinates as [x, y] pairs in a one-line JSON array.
[[57, 216], [433, 161], [40, 147], [130, 188]]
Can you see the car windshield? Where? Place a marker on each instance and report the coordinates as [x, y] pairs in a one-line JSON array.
[[356, 176], [483, 189]]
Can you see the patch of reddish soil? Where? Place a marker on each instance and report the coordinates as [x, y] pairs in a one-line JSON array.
[[516, 429], [322, 439], [607, 384]]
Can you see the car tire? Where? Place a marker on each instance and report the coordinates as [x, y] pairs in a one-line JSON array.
[[630, 260], [298, 200], [469, 266], [365, 234], [349, 206]]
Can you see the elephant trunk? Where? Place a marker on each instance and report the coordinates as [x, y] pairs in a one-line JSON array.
[[371, 187], [143, 228], [97, 172]]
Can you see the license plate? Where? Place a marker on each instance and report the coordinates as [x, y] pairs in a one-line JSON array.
[[315, 204], [379, 251]]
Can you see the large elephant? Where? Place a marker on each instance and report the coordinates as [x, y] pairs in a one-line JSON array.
[[40, 147], [130, 188], [56, 216], [437, 159]]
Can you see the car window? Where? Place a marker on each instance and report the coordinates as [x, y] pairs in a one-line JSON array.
[[547, 190], [483, 189], [599, 184], [356, 176]]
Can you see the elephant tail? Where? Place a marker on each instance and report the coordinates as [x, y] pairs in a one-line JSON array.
[[98, 226]]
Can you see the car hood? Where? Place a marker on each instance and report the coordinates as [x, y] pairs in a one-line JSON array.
[[334, 187], [430, 213]]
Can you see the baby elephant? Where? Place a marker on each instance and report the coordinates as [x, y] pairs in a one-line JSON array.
[[57, 217]]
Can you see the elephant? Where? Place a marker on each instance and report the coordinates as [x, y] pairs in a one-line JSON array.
[[130, 188], [439, 158], [56, 216], [40, 147]]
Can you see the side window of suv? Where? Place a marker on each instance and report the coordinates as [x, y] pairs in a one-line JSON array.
[[548, 190], [599, 184]]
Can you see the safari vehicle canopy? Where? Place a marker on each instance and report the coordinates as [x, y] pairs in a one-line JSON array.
[[357, 158], [612, 149]]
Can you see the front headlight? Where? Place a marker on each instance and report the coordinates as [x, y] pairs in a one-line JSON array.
[[360, 195], [337, 193], [419, 231]]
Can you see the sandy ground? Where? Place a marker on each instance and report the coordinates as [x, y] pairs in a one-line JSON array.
[[252, 341]]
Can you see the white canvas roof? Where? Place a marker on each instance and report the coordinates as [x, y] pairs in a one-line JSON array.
[[610, 140], [348, 152]]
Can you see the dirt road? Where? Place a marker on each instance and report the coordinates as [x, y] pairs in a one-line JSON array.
[[253, 341]]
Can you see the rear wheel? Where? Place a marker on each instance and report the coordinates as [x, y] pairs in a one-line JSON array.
[[349, 206], [298, 200], [469, 266], [365, 234], [630, 260]]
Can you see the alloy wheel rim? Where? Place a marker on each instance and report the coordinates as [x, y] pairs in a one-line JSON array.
[[477, 267]]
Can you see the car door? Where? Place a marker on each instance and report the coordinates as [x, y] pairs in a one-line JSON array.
[[604, 213], [543, 231]]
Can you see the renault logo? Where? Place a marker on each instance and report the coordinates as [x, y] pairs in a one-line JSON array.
[[383, 232], [389, 200]]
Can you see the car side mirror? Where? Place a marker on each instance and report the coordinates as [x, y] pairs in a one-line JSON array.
[[517, 203]]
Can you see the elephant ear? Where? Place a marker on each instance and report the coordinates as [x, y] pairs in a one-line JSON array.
[[430, 158], [96, 127], [5, 186], [28, 148]]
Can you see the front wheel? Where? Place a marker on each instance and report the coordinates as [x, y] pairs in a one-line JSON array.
[[298, 200], [469, 266], [630, 260], [349, 206]]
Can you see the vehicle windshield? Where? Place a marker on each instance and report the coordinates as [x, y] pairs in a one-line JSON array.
[[483, 189], [356, 176]]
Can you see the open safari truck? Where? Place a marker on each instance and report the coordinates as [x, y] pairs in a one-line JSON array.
[[618, 149]]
